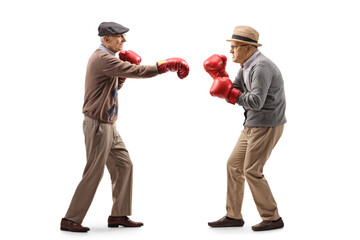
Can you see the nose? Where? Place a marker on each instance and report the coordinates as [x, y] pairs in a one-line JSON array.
[[123, 39]]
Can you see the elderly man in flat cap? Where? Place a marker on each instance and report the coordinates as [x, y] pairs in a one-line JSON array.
[[259, 89], [105, 75]]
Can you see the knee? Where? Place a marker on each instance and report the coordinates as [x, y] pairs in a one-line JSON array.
[[234, 168], [230, 165], [253, 173], [127, 161], [126, 165], [129, 165]]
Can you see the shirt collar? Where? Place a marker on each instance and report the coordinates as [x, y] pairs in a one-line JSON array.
[[251, 59], [102, 47]]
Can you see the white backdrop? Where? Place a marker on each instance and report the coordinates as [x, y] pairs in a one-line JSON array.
[[178, 136]]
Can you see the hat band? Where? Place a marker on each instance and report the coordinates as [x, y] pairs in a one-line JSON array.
[[243, 38]]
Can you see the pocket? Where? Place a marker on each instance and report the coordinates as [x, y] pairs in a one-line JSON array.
[[97, 127], [248, 130], [85, 125], [257, 131]]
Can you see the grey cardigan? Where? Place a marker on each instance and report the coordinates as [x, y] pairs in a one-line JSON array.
[[263, 96]]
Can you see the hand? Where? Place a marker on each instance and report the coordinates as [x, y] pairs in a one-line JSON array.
[[215, 66], [173, 65], [222, 87]]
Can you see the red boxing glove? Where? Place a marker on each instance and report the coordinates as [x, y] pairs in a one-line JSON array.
[[215, 66], [129, 56], [173, 65], [222, 87]]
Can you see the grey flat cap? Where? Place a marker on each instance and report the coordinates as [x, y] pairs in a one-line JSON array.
[[111, 28]]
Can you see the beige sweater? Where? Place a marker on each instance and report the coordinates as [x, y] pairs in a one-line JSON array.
[[101, 84]]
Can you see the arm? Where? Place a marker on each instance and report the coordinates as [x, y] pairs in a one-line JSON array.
[[239, 82], [178, 65], [114, 67], [259, 85]]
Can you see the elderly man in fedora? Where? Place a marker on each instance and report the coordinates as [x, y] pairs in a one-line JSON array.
[[105, 75], [259, 89]]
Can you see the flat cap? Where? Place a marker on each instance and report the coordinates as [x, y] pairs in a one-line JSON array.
[[111, 28]]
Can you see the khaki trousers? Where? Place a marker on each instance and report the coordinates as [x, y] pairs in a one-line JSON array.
[[247, 160], [104, 146]]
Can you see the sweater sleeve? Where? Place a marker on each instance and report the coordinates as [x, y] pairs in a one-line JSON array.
[[114, 67], [260, 81], [238, 84]]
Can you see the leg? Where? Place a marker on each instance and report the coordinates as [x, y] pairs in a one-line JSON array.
[[121, 172], [98, 139], [261, 143], [235, 178]]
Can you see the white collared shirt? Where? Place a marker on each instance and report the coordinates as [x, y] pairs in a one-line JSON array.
[[246, 65], [102, 47]]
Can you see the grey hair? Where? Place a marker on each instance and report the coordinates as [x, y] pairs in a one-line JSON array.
[[102, 39]]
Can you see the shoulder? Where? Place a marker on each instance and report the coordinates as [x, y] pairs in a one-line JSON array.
[[263, 63], [102, 56], [261, 59]]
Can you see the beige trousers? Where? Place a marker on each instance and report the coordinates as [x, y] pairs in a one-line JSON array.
[[247, 160], [104, 146]]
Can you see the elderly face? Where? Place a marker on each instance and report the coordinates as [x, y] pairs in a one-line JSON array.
[[115, 42], [240, 52]]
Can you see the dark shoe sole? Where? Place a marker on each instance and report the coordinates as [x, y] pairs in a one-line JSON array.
[[113, 225], [117, 225], [225, 226], [68, 230], [266, 229], [220, 226]]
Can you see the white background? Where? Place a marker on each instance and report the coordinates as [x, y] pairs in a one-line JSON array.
[[178, 136]]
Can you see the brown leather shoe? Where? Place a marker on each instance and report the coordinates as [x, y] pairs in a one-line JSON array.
[[68, 225], [123, 221], [227, 222], [268, 225]]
